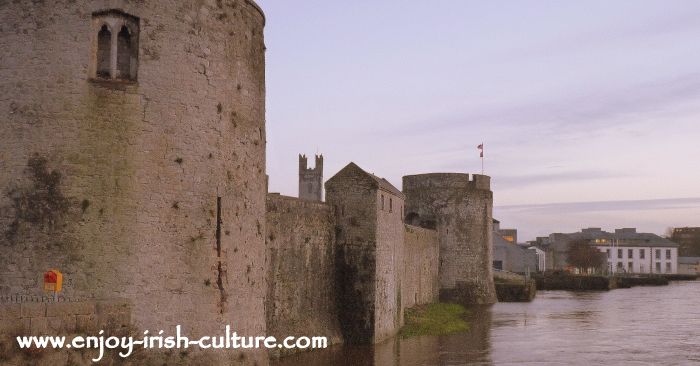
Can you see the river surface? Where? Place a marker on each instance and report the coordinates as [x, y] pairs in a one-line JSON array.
[[636, 326]]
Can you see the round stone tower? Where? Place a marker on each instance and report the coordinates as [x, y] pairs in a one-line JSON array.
[[132, 152], [460, 210]]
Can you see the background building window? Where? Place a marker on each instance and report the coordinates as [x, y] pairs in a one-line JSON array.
[[658, 254], [641, 253], [630, 253], [668, 253]]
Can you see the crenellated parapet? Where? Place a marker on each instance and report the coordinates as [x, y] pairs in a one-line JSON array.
[[448, 181]]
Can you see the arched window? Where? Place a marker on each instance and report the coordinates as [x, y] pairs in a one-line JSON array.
[[124, 54], [104, 52], [116, 46]]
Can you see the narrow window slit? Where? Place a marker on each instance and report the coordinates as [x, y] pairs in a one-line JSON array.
[[218, 226]]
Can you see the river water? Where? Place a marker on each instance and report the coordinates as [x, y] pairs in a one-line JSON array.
[[636, 326]]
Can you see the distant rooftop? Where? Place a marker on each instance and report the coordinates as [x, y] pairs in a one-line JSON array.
[[623, 237], [688, 260]]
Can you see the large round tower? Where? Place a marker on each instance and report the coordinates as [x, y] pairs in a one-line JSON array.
[[461, 211], [132, 152]]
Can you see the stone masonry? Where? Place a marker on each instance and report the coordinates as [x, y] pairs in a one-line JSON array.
[[132, 151], [369, 239], [420, 275], [354, 253], [301, 294], [460, 209], [311, 179]]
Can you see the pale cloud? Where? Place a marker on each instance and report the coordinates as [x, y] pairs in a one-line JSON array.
[[576, 101]]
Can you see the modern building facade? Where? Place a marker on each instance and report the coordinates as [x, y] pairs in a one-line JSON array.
[[541, 258], [627, 251], [508, 255]]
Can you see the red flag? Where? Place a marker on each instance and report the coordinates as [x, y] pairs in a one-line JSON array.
[[481, 148]]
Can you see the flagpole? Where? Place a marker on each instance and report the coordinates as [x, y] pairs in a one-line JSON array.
[[482, 158]]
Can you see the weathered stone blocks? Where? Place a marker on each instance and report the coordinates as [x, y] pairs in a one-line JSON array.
[[146, 187], [460, 209]]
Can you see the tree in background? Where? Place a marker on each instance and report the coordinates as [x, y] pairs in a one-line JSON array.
[[584, 256]]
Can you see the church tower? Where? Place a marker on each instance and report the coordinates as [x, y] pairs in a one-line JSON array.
[[311, 179]]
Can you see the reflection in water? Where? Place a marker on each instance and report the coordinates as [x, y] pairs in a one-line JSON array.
[[641, 325], [470, 348]]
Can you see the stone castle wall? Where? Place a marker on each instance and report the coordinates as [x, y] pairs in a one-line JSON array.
[[124, 185], [420, 276], [301, 291], [61, 318], [460, 209], [154, 189], [388, 306], [346, 269], [85, 318], [355, 201]]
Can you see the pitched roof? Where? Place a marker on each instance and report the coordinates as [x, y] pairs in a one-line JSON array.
[[385, 185], [688, 260], [623, 237], [380, 182]]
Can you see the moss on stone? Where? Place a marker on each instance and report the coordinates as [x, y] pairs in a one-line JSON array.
[[434, 319]]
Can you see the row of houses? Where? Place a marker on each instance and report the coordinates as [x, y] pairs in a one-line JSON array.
[[625, 251]]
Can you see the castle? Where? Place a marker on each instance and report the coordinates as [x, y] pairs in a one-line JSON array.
[[132, 153], [348, 267]]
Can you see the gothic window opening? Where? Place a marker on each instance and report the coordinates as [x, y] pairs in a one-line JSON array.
[[115, 46], [104, 51], [124, 54]]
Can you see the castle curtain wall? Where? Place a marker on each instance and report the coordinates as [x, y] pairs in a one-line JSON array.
[[300, 245]]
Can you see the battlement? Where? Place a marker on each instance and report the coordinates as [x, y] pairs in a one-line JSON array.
[[447, 181], [303, 163], [279, 201]]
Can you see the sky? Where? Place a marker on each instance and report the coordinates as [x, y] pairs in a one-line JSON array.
[[589, 111]]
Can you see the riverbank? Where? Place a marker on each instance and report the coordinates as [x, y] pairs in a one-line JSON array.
[[511, 287], [434, 320], [573, 282]]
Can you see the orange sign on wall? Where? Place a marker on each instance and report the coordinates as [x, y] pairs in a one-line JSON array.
[[53, 281]]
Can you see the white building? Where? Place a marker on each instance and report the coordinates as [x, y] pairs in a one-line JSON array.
[[631, 252], [541, 258]]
